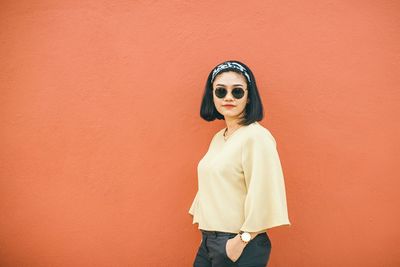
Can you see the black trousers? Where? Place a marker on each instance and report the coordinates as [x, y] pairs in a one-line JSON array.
[[212, 251]]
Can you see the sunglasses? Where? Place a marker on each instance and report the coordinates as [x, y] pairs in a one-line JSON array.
[[237, 92]]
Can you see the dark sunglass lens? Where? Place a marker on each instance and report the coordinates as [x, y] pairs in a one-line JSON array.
[[238, 93], [220, 92]]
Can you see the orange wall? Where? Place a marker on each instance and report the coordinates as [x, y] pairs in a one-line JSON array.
[[100, 132]]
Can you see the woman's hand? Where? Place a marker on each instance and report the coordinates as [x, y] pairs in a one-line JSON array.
[[234, 248]]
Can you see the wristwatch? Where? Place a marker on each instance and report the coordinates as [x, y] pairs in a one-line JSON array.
[[245, 236]]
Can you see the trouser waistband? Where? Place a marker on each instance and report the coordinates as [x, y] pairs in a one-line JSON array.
[[217, 233]]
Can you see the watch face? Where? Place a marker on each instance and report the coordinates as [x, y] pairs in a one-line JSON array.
[[246, 236]]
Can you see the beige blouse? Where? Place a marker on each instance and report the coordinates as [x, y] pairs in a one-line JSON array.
[[240, 183]]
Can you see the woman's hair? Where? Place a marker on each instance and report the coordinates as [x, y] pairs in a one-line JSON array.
[[253, 110]]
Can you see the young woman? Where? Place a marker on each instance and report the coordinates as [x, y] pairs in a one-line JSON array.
[[241, 191]]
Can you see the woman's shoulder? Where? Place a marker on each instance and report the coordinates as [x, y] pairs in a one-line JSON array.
[[220, 132], [215, 137], [257, 132]]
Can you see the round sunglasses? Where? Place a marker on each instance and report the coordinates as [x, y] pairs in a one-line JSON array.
[[237, 92]]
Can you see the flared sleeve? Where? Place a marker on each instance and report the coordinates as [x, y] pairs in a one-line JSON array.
[[265, 203], [194, 204]]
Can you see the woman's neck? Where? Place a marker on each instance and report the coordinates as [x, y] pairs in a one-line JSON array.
[[232, 124]]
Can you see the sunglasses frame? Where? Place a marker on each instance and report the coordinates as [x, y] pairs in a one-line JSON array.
[[226, 92]]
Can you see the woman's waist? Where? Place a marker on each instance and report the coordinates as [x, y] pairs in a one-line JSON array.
[[224, 233]]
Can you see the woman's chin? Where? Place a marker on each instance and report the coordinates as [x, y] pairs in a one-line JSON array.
[[230, 115]]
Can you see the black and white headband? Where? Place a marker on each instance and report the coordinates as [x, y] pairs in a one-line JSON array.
[[232, 65]]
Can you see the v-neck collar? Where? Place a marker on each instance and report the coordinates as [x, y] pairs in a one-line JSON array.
[[221, 133]]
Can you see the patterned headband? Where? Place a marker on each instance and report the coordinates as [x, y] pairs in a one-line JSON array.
[[232, 65]]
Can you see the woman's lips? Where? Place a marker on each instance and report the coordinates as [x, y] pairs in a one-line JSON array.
[[228, 106]]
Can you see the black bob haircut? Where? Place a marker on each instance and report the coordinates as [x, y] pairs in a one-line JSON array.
[[253, 110]]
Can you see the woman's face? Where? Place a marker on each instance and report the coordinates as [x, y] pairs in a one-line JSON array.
[[229, 106]]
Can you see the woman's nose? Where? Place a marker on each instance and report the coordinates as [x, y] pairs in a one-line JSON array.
[[229, 96]]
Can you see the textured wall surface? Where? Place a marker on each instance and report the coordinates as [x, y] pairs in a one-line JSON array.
[[100, 132]]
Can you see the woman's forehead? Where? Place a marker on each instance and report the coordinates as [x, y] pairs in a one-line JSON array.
[[230, 78]]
